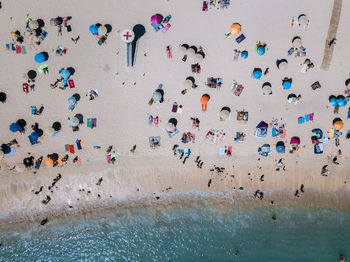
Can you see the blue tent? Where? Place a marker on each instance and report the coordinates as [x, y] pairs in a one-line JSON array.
[[14, 127], [333, 101], [244, 54], [261, 129], [280, 147], [286, 85], [40, 57], [93, 29], [260, 50], [257, 73], [65, 73]]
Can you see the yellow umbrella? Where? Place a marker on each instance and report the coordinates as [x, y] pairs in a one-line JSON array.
[[235, 29], [338, 125], [14, 34]]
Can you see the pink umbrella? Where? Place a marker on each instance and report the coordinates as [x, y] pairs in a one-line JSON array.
[[156, 19], [295, 140]]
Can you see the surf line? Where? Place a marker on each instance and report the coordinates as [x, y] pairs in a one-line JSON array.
[[332, 32]]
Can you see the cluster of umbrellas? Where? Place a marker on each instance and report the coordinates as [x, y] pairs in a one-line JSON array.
[[195, 50], [338, 101], [99, 29]]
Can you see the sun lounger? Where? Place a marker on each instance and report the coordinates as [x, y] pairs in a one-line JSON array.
[[71, 83], [166, 28], [222, 150]]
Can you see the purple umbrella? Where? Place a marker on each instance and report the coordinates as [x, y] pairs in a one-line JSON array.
[[156, 19]]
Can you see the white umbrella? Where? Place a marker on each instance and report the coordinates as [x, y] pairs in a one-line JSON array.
[[102, 30], [303, 20], [297, 42], [33, 24], [283, 65]]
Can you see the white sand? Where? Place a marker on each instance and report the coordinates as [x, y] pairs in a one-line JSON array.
[[122, 110]]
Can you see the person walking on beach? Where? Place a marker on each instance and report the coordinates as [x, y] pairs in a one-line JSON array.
[[133, 149], [59, 30], [332, 42]]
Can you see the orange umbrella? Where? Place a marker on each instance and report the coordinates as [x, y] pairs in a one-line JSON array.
[[48, 161], [59, 161], [204, 101], [235, 29], [338, 125]]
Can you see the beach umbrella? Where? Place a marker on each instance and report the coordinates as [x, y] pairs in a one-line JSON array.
[[318, 133], [224, 113], [65, 73], [347, 82], [22, 123], [173, 121], [93, 29], [205, 99], [41, 57], [303, 19], [53, 156], [260, 50], [56, 126], [295, 140], [194, 49], [297, 42], [235, 29], [102, 30], [53, 21], [80, 118], [71, 100], [6, 149], [333, 101], [338, 124], [156, 96], [14, 127], [282, 64], [341, 101], [34, 136], [31, 74], [76, 96], [280, 147], [266, 87], [33, 24], [287, 84], [3, 97], [48, 161], [257, 73], [59, 20], [109, 28], [244, 54], [156, 19], [73, 121], [201, 54], [265, 148], [185, 46], [191, 78]]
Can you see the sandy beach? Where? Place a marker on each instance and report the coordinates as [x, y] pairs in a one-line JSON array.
[[122, 107]]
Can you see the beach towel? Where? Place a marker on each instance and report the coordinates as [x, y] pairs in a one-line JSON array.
[[240, 38], [166, 28], [8, 47], [71, 83], [33, 142], [331, 132], [24, 50], [291, 51], [275, 132], [238, 90], [78, 144], [82, 143], [205, 6], [174, 109], [71, 149], [157, 27], [172, 133], [89, 122], [222, 150], [307, 118], [33, 109], [72, 106], [38, 164], [301, 120], [283, 133], [25, 88], [18, 49], [229, 150], [66, 147], [13, 48], [311, 117], [12, 152], [94, 122], [108, 159]]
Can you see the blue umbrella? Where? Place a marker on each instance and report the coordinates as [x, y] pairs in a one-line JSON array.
[[244, 54], [65, 73], [93, 29], [333, 101], [14, 127], [341, 100], [39, 58], [280, 149], [260, 50], [34, 136], [287, 85], [257, 73]]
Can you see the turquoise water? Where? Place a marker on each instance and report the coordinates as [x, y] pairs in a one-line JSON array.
[[192, 233]]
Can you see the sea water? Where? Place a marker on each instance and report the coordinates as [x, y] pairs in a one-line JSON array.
[[197, 232]]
